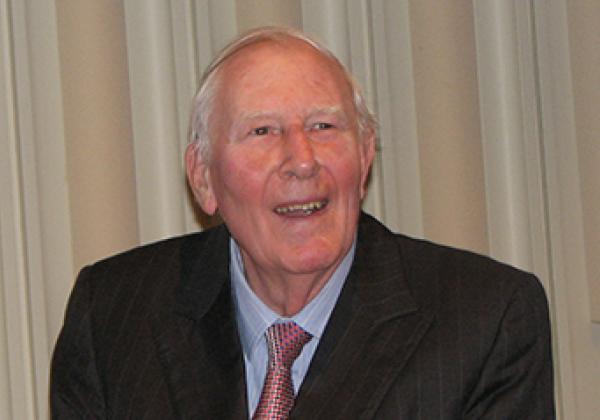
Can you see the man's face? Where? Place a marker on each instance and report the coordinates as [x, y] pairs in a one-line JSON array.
[[288, 168]]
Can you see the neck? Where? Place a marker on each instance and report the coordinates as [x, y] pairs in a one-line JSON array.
[[286, 294]]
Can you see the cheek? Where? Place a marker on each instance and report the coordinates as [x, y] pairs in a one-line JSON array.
[[239, 180], [345, 166]]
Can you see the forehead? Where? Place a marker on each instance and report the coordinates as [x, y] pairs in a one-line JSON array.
[[290, 67]]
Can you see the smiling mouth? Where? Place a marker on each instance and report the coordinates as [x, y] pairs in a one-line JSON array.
[[301, 209]]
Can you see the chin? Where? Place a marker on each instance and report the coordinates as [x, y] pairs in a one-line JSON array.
[[317, 259]]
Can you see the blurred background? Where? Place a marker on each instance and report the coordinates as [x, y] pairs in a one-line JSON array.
[[489, 140]]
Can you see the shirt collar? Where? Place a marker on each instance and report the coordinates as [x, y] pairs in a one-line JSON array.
[[254, 317]]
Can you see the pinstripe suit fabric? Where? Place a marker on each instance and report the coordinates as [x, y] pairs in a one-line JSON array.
[[420, 331]]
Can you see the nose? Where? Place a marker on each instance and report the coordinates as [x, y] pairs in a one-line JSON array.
[[299, 155]]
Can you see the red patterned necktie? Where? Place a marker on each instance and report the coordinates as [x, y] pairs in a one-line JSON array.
[[285, 342]]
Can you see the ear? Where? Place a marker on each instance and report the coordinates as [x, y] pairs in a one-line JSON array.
[[367, 154], [198, 175]]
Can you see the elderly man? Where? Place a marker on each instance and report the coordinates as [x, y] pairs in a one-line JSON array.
[[299, 305]]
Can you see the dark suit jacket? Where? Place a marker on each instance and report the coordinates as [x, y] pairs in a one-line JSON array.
[[420, 331]]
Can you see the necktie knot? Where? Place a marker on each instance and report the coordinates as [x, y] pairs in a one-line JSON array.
[[285, 342]]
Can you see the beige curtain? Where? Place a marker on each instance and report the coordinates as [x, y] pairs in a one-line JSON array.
[[488, 141]]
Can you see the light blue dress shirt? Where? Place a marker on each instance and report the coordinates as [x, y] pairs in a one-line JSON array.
[[254, 317]]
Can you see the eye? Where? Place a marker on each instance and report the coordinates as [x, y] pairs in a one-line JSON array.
[[264, 131], [260, 131], [322, 126]]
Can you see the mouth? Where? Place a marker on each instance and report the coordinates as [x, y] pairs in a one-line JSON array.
[[301, 209]]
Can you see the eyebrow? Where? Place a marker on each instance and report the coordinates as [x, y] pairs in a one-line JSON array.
[[257, 114], [330, 110]]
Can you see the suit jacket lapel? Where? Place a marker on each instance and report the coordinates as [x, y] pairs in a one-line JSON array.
[[374, 328], [198, 342]]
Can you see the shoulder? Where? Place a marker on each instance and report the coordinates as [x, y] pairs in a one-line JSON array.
[[471, 299], [154, 269], [161, 252], [434, 269]]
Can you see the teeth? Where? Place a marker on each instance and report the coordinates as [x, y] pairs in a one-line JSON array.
[[306, 208]]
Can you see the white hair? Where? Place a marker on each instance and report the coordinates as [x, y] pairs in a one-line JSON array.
[[204, 100]]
